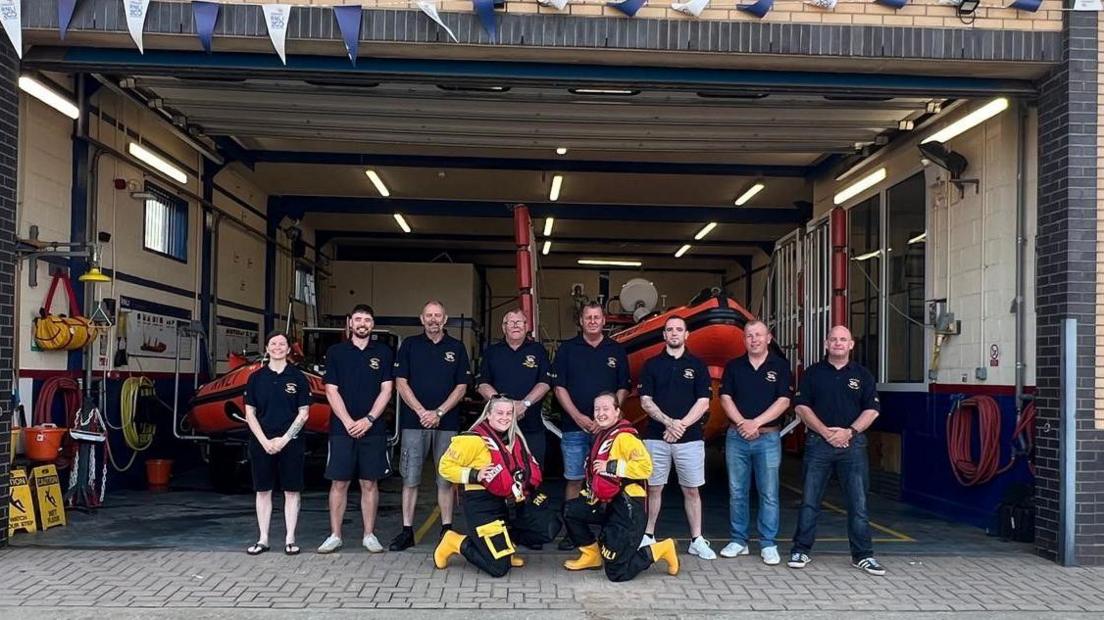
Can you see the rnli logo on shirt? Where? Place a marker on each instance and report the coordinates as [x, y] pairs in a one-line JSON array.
[[772, 376], [530, 361], [688, 373], [374, 363], [291, 388], [611, 362], [450, 356], [853, 384]]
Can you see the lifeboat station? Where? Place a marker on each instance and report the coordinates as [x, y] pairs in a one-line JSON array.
[[180, 181]]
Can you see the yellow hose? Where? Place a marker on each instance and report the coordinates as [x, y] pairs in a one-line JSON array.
[[137, 437]]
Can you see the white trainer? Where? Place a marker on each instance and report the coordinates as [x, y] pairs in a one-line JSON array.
[[734, 549], [700, 547], [770, 556], [372, 544], [330, 545], [647, 540]]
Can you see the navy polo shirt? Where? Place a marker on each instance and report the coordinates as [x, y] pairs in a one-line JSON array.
[[433, 371], [359, 375], [837, 397], [675, 384], [277, 396], [755, 389], [514, 373], [586, 371]]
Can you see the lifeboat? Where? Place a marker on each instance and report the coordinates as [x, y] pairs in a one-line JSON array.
[[716, 325], [218, 408]]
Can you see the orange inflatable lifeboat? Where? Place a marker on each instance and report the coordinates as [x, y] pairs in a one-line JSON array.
[[716, 325], [218, 408]]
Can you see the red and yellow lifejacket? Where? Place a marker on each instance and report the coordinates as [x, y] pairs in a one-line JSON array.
[[605, 486], [516, 473]]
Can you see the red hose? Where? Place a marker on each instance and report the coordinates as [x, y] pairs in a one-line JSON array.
[[960, 425], [44, 404]]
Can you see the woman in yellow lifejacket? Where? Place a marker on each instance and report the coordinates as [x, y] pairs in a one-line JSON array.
[[617, 468], [500, 499]]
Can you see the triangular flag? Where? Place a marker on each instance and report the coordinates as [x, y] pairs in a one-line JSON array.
[[12, 16], [276, 18], [692, 7], [628, 7], [893, 4], [65, 15], [827, 5], [485, 10], [1026, 5], [348, 22], [430, 9], [206, 15], [759, 9], [557, 4], [136, 19]]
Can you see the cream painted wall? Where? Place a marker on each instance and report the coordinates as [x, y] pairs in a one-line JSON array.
[[971, 241]]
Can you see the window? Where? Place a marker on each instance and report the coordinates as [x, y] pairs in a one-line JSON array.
[[304, 284], [866, 264], [166, 224], [906, 243]]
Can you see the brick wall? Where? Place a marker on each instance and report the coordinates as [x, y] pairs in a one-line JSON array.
[[925, 13], [9, 135], [1067, 286]]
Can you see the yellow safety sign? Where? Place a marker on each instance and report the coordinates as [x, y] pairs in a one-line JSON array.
[[51, 508], [21, 513]]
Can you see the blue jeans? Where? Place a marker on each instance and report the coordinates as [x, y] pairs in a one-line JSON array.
[[575, 446], [852, 468], [762, 457]]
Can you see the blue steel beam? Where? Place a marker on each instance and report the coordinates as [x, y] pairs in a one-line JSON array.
[[301, 205], [566, 75], [322, 237]]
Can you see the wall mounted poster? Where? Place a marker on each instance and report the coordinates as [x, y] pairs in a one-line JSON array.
[[235, 336], [151, 329]]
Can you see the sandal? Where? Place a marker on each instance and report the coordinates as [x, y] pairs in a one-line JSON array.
[[291, 549], [256, 549]]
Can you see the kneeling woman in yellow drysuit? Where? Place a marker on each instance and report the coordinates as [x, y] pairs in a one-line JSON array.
[[501, 502], [616, 469]]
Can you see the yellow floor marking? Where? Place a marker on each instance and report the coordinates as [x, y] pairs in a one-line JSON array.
[[424, 529]]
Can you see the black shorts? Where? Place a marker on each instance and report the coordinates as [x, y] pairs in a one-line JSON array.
[[366, 458], [286, 466]]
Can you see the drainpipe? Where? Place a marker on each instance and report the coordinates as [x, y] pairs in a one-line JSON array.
[[837, 228], [1021, 244]]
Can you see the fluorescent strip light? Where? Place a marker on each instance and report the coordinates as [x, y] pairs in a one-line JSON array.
[[922, 237], [378, 182], [548, 225], [402, 222], [971, 120], [561, 150], [49, 96], [547, 247], [603, 91], [860, 186], [867, 256], [705, 231], [155, 161], [554, 194], [749, 194], [683, 250], [609, 263]]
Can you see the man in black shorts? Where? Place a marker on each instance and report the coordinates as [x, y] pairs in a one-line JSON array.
[[358, 387]]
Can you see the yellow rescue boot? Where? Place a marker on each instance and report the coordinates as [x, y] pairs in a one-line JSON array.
[[589, 557], [448, 547], [665, 550], [516, 561]]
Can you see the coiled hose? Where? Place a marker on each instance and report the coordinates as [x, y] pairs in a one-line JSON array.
[[138, 437], [960, 425]]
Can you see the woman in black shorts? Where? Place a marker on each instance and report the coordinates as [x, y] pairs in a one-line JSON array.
[[277, 399]]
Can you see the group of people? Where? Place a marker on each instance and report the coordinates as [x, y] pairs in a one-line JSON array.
[[614, 476]]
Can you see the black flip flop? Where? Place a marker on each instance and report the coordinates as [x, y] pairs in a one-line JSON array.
[[291, 549], [256, 549]]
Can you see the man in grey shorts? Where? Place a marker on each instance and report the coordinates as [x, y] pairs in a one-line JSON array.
[[431, 373]]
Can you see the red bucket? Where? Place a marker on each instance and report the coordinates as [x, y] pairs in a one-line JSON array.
[[42, 443], [158, 472]]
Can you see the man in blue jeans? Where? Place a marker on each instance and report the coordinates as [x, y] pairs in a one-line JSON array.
[[755, 392], [585, 366], [838, 401]]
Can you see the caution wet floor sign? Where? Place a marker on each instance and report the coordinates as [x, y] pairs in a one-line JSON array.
[[21, 514], [51, 509]]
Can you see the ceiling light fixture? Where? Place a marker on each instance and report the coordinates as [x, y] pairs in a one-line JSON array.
[[867, 256], [683, 250], [158, 163], [402, 222], [378, 182], [623, 92], [49, 96], [547, 247], [705, 231], [860, 186], [921, 238], [971, 120], [749, 194], [596, 262], [561, 150], [554, 193], [548, 221]]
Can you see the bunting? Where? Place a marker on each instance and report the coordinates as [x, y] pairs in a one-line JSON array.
[[628, 7], [893, 4], [430, 9], [206, 15], [348, 21], [276, 18], [1026, 5], [136, 20], [827, 5], [559, 5], [65, 15], [691, 7], [12, 16], [759, 9], [485, 9]]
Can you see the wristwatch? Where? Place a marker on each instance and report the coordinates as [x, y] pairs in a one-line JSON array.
[[528, 403], [853, 430], [371, 419], [440, 413]]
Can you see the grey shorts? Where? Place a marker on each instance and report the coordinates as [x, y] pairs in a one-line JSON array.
[[416, 443], [689, 460]]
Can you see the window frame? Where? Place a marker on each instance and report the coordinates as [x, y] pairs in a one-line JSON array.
[[178, 208]]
